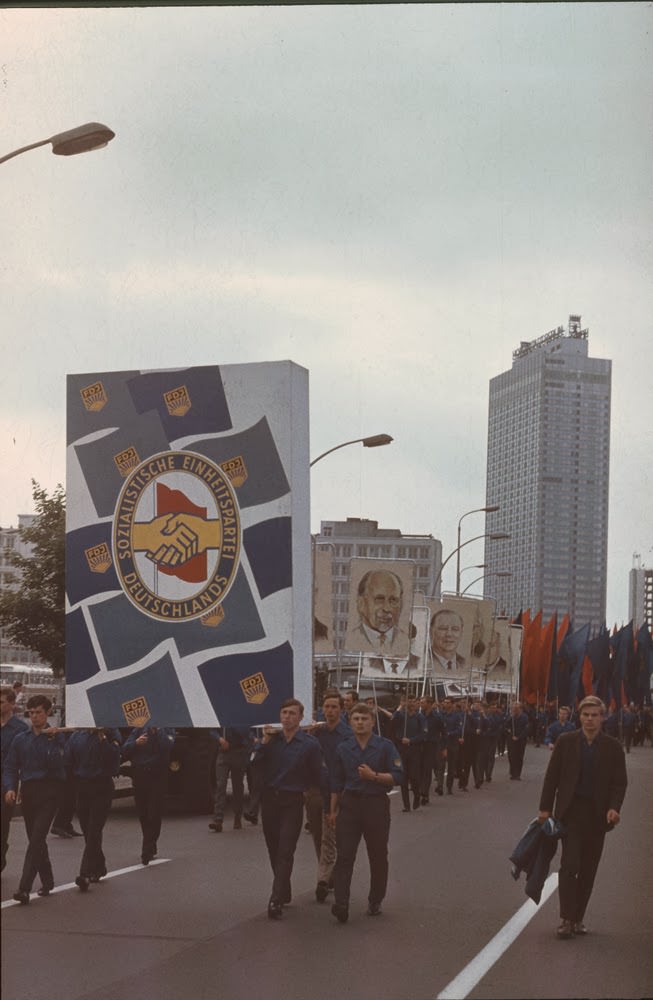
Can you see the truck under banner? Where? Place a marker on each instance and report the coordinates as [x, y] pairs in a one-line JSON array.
[[188, 563]]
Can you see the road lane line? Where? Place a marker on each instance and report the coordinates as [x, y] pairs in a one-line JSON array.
[[72, 885], [465, 981]]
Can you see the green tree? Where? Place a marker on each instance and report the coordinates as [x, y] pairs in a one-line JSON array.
[[33, 613]]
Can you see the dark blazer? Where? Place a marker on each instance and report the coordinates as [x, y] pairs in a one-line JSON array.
[[563, 772]]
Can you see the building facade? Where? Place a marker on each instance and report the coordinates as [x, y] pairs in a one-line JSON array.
[[363, 539], [640, 597], [548, 461], [11, 542]]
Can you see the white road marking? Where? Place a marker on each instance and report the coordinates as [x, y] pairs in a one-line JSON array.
[[71, 885], [465, 981]]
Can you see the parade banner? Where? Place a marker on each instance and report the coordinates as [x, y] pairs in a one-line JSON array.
[[460, 633], [504, 653], [380, 599], [407, 668], [322, 601], [187, 545]]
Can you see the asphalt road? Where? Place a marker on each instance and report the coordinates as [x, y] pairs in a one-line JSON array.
[[195, 924]]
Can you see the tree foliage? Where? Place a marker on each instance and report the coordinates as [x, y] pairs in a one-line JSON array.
[[33, 613]]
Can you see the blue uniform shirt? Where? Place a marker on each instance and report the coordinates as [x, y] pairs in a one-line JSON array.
[[379, 754], [88, 756], [556, 729], [153, 755], [290, 765], [32, 758], [329, 741], [8, 732], [453, 724], [412, 727]]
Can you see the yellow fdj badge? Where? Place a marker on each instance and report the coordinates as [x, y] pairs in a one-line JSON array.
[[177, 401], [98, 558], [136, 712], [255, 689], [126, 461], [236, 470], [94, 397], [214, 617]]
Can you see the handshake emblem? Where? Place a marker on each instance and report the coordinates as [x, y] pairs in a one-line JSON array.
[[171, 540]]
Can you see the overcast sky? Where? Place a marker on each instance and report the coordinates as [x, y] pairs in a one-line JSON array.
[[391, 196]]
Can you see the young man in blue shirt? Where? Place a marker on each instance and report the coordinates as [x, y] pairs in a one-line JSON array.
[[367, 766], [12, 725]]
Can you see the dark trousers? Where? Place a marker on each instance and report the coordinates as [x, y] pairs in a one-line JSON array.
[[63, 818], [282, 814], [149, 797], [466, 760], [411, 760], [40, 801], [429, 760], [481, 756], [234, 763], [582, 846], [94, 797], [314, 804], [453, 753], [7, 813], [516, 750], [493, 740], [255, 788], [366, 816]]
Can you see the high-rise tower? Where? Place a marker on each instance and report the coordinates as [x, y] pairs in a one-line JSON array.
[[548, 463]]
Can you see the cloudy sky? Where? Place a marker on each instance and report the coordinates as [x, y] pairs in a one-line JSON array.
[[392, 196]]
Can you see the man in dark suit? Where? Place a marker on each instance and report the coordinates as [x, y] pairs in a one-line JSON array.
[[587, 778]]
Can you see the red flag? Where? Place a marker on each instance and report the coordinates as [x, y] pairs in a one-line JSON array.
[[587, 676], [530, 659]]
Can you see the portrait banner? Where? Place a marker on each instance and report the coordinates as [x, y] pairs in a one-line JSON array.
[[187, 544], [322, 601], [408, 668], [500, 665], [460, 632], [380, 602]]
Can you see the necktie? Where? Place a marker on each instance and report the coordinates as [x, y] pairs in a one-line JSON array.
[[449, 665], [382, 639], [394, 668]]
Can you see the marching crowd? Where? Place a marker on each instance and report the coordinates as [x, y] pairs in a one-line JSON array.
[[330, 777]]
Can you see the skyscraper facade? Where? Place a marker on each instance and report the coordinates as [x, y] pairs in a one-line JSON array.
[[548, 464]]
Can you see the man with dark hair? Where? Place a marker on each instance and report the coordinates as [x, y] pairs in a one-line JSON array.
[[291, 763], [12, 725], [586, 779], [409, 732], [35, 761], [366, 768]]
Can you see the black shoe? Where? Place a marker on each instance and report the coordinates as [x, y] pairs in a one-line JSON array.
[[251, 818], [406, 809], [340, 912], [45, 890], [488, 779], [374, 910], [321, 891], [565, 930], [287, 899], [439, 791], [94, 879], [146, 858], [82, 883], [416, 802], [216, 825], [275, 910], [237, 823], [59, 831], [21, 897]]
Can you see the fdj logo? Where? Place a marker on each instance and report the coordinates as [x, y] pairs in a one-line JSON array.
[[176, 536]]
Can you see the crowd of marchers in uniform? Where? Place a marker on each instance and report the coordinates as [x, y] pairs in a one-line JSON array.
[[330, 777]]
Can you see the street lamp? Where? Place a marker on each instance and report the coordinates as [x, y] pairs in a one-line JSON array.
[[477, 510], [492, 535], [499, 572], [375, 441], [82, 139]]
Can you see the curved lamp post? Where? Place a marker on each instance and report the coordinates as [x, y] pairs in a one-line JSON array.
[[82, 139], [499, 572], [376, 441], [476, 510], [493, 535]]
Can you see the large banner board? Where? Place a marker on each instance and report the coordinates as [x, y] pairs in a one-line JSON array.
[[188, 563], [322, 601], [380, 601], [460, 634]]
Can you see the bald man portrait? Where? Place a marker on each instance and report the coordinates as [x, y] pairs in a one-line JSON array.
[[379, 603]]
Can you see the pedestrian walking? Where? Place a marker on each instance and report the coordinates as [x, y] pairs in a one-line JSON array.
[[93, 757], [148, 747], [234, 748], [291, 763], [367, 766], [584, 788], [12, 725], [35, 762]]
